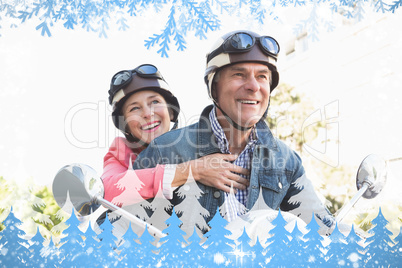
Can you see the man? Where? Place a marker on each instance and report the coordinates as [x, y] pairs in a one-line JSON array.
[[240, 76]]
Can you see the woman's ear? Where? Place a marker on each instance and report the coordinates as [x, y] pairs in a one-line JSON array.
[[171, 114]]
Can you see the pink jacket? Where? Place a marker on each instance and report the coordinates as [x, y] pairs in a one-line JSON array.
[[123, 185]]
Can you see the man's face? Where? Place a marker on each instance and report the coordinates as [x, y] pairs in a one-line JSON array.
[[243, 92]]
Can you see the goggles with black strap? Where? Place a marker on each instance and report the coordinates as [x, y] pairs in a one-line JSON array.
[[123, 78], [243, 42]]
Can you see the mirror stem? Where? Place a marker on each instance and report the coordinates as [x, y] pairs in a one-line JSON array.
[[151, 229], [394, 159], [345, 210]]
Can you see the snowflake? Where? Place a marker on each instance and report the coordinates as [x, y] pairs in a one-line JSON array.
[[186, 16]]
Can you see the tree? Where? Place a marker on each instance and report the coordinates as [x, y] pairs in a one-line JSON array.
[[51, 254], [173, 243], [397, 249], [48, 210], [92, 249], [278, 243], [313, 253], [302, 209], [379, 251], [230, 202], [190, 211], [287, 112], [131, 250], [336, 250], [147, 248], [73, 246], [130, 199], [108, 242], [217, 242], [353, 251], [297, 246], [14, 249], [260, 203], [194, 252], [261, 231], [129, 185], [259, 259], [289, 109], [32, 204], [159, 207], [243, 252], [36, 245]]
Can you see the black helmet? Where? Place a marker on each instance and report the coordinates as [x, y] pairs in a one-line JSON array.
[[127, 82]]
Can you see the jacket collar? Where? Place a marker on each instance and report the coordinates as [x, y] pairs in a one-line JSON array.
[[206, 138], [207, 142], [265, 137]]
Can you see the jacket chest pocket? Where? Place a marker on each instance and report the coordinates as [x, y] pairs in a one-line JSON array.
[[274, 185]]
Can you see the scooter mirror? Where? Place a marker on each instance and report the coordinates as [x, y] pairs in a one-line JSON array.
[[85, 189], [82, 185], [373, 173], [370, 180]]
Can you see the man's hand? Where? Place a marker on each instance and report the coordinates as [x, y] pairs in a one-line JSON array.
[[216, 170]]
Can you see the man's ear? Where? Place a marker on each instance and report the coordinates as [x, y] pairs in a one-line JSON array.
[[213, 90]]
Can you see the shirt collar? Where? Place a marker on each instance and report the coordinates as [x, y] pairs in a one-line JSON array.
[[222, 141]]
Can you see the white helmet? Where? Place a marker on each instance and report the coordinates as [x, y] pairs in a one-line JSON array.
[[241, 46]]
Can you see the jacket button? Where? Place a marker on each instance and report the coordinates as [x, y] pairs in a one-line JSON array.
[[217, 194], [280, 185]]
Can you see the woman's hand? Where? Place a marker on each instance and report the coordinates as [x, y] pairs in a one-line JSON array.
[[216, 170]]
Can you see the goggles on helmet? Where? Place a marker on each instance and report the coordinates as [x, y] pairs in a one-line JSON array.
[[243, 42], [123, 78]]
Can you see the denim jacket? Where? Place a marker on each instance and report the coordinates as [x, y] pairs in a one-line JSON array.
[[276, 170]]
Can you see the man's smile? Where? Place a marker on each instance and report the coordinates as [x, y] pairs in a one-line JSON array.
[[252, 102]]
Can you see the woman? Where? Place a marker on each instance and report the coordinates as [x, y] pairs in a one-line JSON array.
[[143, 108]]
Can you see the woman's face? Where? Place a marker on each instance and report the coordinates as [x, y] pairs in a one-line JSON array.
[[147, 115]]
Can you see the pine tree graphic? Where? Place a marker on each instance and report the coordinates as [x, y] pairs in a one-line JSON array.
[[130, 185], [194, 252], [297, 246], [190, 211], [353, 250], [313, 255], [14, 248], [278, 243], [108, 242], [173, 245], [218, 244], [397, 250], [379, 248], [159, 207], [336, 249]]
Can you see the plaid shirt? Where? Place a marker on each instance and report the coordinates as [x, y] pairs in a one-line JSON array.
[[234, 206]]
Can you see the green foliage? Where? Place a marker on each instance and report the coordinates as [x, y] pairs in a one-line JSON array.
[[33, 205], [288, 117], [50, 207], [3, 194], [288, 111], [1, 224], [338, 182]]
